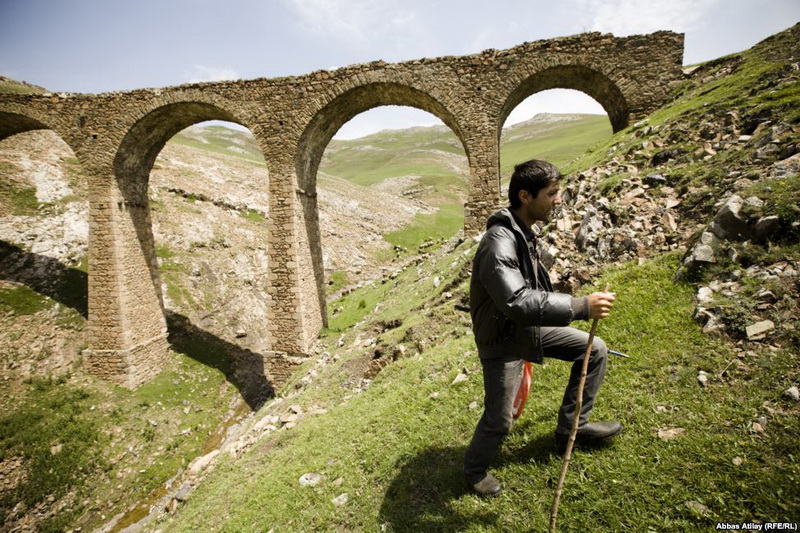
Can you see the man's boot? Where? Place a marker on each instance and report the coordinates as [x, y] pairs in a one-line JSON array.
[[592, 434], [488, 485]]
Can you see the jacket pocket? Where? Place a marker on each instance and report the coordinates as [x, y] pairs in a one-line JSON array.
[[494, 329], [507, 328]]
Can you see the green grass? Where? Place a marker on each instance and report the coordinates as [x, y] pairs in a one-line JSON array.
[[386, 164], [110, 446], [438, 226], [253, 216], [58, 441], [17, 199], [12, 86], [22, 300], [781, 198], [337, 281], [396, 447], [610, 185]]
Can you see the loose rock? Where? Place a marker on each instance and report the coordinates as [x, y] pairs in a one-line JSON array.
[[759, 330], [310, 479]]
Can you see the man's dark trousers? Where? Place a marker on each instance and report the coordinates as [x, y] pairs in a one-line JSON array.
[[501, 380]]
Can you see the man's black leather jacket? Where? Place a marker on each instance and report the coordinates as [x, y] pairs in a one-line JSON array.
[[506, 303]]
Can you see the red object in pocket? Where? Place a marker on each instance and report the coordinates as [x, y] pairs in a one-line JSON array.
[[524, 388]]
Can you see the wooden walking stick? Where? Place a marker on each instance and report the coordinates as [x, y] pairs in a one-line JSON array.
[[575, 421]]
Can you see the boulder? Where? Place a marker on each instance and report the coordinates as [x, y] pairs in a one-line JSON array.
[[766, 227], [729, 223], [702, 253], [662, 157], [589, 232]]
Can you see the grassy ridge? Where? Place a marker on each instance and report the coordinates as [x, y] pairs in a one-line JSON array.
[[374, 158], [222, 140], [7, 85]]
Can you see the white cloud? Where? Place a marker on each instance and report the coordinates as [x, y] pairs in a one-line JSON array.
[[354, 20], [201, 73], [627, 17]]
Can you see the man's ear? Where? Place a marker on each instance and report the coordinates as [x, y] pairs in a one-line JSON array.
[[524, 196]]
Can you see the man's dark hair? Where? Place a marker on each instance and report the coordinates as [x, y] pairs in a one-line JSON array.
[[531, 176]]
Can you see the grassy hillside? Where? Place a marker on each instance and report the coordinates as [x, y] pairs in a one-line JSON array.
[[554, 138], [7, 85], [221, 140], [427, 151], [395, 448]]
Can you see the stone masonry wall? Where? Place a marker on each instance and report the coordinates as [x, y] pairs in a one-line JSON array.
[[117, 136]]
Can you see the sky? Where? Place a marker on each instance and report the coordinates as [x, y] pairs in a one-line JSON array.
[[95, 46]]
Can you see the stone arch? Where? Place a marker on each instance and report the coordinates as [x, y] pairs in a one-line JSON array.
[[137, 153], [128, 300], [327, 120], [13, 123], [321, 129], [581, 78], [18, 119], [147, 136]]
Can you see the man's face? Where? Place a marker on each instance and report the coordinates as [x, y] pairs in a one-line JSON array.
[[540, 207]]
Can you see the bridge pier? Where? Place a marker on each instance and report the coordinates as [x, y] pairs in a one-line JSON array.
[[295, 314], [127, 331]]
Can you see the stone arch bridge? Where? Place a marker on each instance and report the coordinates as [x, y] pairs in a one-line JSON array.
[[117, 137]]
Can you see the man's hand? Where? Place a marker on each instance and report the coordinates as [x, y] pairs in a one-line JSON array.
[[600, 304]]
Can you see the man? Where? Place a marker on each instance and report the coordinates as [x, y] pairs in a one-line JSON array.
[[516, 315]]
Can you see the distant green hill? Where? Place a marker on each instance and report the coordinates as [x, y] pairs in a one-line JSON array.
[[221, 140], [555, 138], [429, 151]]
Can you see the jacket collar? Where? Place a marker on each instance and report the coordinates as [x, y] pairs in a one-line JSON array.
[[506, 217]]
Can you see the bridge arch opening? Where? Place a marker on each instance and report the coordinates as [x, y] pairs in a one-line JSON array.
[[44, 231], [328, 120], [580, 78], [389, 194], [195, 185], [556, 125]]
